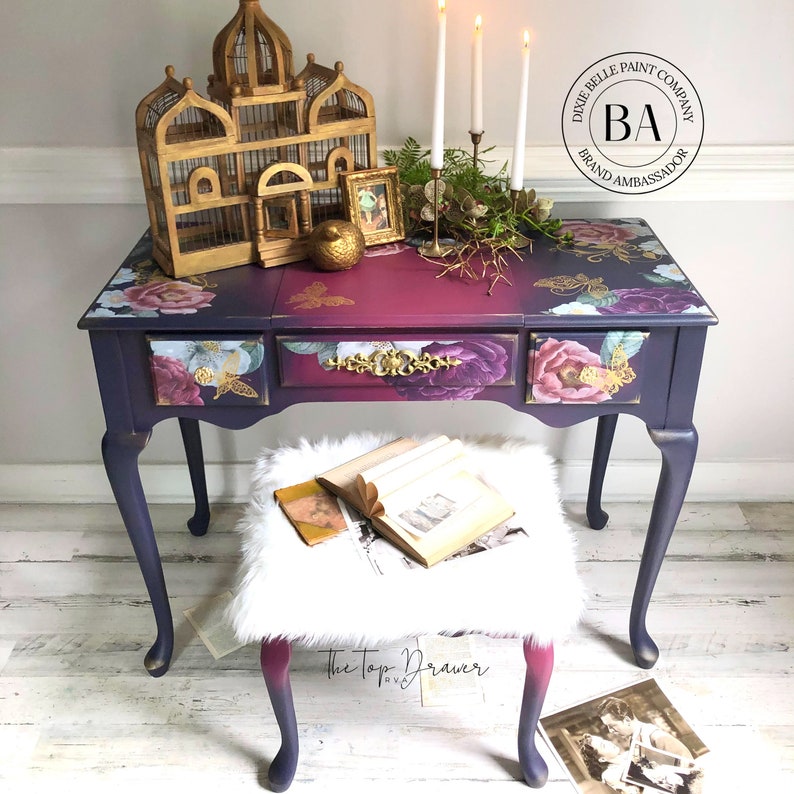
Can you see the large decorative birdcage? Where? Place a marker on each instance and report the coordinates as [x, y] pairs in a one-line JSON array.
[[245, 175]]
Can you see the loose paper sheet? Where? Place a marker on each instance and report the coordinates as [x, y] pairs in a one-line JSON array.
[[458, 655], [213, 630]]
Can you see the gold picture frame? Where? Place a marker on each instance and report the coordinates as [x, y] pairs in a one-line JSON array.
[[374, 204]]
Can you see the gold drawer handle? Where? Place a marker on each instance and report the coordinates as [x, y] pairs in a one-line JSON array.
[[384, 363]]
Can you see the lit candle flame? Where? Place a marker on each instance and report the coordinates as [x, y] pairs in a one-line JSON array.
[[478, 22], [526, 39], [442, 6]]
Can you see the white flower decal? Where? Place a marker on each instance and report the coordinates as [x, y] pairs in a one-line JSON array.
[[673, 272], [575, 307]]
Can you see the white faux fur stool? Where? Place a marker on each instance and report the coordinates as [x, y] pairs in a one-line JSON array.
[[532, 592]]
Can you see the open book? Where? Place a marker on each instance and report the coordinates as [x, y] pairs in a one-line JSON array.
[[421, 497]]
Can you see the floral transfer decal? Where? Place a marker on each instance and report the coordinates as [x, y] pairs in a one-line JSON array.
[[186, 372], [483, 363], [479, 363], [568, 371], [669, 295], [143, 290], [596, 240]]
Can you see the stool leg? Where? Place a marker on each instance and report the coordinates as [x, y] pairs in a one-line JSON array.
[[540, 661], [274, 659]]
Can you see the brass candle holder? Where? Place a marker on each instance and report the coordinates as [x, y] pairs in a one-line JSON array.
[[476, 139], [435, 249], [514, 194]]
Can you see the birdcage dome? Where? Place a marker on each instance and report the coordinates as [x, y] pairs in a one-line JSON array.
[[252, 53]]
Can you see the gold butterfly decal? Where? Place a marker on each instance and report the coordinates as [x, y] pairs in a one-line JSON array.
[[313, 297], [612, 377], [229, 380], [571, 285]]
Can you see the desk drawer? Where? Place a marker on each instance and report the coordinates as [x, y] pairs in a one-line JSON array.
[[226, 370], [441, 368], [586, 368]]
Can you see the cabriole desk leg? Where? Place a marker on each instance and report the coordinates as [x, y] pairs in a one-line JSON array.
[[540, 661], [120, 452], [605, 432], [678, 448], [191, 438]]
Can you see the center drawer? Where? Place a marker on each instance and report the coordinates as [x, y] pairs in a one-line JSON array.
[[437, 367]]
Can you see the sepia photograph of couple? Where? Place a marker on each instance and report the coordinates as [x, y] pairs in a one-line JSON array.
[[628, 741]]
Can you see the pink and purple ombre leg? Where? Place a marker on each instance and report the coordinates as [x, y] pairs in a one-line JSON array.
[[274, 659], [540, 661]]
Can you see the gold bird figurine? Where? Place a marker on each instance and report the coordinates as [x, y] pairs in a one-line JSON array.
[[336, 245]]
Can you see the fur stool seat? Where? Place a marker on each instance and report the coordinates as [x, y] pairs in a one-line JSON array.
[[528, 590]]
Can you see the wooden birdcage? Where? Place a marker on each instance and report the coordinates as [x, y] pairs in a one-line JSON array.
[[245, 175]]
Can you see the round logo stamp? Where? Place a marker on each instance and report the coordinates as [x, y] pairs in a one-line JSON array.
[[632, 123]]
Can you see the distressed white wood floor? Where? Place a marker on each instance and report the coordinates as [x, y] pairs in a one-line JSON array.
[[77, 708]]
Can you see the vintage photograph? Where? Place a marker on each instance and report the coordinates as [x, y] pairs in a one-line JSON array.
[[430, 512], [372, 201], [628, 741], [318, 509]]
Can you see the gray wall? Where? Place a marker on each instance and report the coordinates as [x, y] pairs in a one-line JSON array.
[[74, 71]]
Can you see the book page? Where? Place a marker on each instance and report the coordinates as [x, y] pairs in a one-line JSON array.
[[446, 489], [342, 479], [376, 485], [431, 502], [407, 456], [446, 518]]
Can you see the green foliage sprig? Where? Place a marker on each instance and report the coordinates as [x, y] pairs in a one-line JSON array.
[[474, 204]]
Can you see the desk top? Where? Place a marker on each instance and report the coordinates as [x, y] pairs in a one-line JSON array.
[[614, 271]]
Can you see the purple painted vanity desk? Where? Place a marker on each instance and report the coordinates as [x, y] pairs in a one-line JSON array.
[[609, 325]]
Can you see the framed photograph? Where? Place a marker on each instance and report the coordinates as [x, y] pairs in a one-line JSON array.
[[372, 201]]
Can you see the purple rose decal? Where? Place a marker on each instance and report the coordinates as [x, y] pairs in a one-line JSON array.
[[556, 367], [652, 300], [483, 363], [174, 384], [584, 232]]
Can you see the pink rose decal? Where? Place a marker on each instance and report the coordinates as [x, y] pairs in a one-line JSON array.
[[556, 368], [584, 232], [175, 385], [168, 297]]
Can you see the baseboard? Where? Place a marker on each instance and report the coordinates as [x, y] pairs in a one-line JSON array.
[[95, 175], [626, 481]]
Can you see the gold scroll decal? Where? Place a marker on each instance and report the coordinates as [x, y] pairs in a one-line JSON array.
[[384, 363]]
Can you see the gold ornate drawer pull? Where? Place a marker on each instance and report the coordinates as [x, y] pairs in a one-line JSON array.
[[384, 363]]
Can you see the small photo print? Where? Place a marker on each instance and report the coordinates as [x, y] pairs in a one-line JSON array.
[[430, 512], [318, 509], [628, 741]]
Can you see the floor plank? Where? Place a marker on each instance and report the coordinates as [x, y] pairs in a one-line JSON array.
[[77, 706]]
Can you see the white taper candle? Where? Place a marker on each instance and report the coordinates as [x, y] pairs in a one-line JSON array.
[[519, 147], [437, 140], [476, 78]]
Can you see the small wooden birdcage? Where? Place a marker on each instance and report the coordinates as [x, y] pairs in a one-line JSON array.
[[245, 175]]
